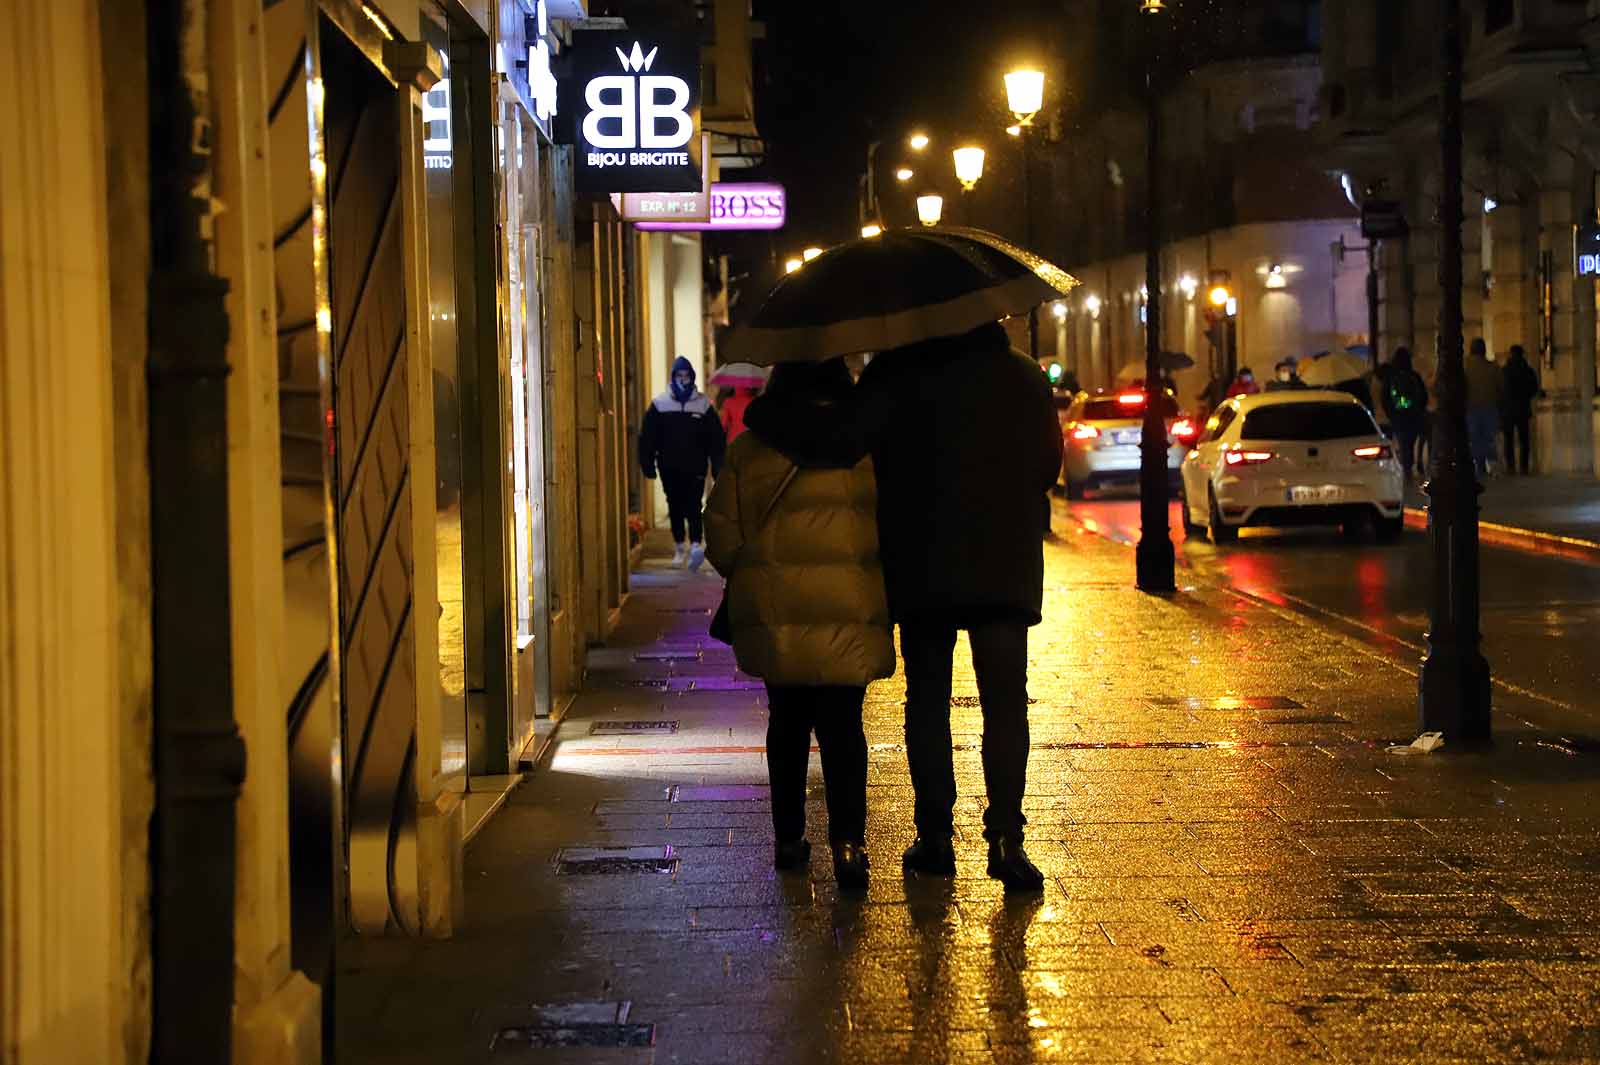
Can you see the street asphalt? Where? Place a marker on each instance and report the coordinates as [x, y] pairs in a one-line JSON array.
[[1240, 869]]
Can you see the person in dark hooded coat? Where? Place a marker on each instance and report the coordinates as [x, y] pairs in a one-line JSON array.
[[965, 442], [682, 436]]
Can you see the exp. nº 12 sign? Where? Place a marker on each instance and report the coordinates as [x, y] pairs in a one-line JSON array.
[[633, 104]]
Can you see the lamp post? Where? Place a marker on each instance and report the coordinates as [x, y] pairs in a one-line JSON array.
[[1453, 689], [1025, 97], [930, 207], [1154, 559]]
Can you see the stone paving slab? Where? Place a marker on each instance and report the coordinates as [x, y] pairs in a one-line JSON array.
[[1238, 870]]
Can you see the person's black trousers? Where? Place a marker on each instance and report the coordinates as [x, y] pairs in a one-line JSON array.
[[1000, 659], [685, 495], [1518, 430], [1407, 436], [834, 713]]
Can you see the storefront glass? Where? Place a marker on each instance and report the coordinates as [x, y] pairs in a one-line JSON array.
[[439, 160]]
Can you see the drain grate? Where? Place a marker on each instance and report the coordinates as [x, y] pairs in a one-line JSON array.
[[632, 728], [967, 702], [712, 684], [1230, 702], [543, 1037], [615, 861], [667, 656], [719, 793], [1306, 719]]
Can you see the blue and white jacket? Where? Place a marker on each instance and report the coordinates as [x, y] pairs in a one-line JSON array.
[[681, 438]]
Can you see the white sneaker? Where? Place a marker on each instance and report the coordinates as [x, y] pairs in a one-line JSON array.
[[697, 557], [680, 556]]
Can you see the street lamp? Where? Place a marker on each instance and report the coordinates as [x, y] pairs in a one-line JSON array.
[[872, 229], [1025, 97], [810, 253], [929, 208], [1453, 688], [1025, 94], [904, 174], [1154, 560], [969, 166], [918, 141], [791, 265], [1014, 130]]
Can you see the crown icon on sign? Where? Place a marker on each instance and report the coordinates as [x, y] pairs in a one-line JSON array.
[[636, 60]]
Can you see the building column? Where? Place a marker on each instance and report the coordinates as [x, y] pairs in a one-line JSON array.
[[277, 1010], [1564, 432], [75, 732]]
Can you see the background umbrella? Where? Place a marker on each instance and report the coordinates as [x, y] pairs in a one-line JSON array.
[[1332, 369], [905, 285], [739, 375], [1171, 362]]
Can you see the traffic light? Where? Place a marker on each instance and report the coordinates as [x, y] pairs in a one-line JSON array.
[[1055, 373]]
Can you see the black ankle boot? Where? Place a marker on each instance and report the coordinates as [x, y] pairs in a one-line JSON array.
[[1009, 864], [787, 857], [935, 857], [850, 866]]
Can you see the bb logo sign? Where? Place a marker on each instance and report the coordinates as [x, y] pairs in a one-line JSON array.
[[636, 126]]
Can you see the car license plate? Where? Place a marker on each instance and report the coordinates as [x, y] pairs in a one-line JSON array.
[[1319, 493], [1127, 436]]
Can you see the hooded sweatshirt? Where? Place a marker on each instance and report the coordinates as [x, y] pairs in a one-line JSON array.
[[681, 433], [806, 598]]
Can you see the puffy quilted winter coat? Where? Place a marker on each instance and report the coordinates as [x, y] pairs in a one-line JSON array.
[[805, 588]]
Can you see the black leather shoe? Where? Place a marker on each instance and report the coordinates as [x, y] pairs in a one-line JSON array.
[[795, 854], [850, 866], [935, 857], [1009, 864]]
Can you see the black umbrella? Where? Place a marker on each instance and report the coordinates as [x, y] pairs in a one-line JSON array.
[[903, 286]]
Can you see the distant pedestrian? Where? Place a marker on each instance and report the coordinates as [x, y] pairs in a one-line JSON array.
[[1286, 378], [732, 410], [1405, 401], [964, 437], [1521, 388], [1485, 387], [680, 438], [1244, 384], [793, 527]]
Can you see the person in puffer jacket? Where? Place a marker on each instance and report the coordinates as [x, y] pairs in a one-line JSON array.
[[806, 602], [681, 436]]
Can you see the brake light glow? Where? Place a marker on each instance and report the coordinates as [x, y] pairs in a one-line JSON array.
[[1372, 452], [1247, 458], [1184, 429], [1131, 399], [1085, 432]]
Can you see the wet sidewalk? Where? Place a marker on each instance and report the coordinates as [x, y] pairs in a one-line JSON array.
[[1554, 513], [1238, 868]]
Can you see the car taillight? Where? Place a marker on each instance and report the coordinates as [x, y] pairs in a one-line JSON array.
[[1373, 452], [1185, 430], [1247, 458], [1131, 399], [1085, 432]]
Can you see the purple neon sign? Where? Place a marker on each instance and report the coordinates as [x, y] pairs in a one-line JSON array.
[[737, 206]]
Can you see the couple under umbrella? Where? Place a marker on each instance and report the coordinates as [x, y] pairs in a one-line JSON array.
[[918, 496]]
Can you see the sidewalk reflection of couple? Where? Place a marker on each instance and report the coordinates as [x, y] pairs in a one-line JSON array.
[[918, 497]]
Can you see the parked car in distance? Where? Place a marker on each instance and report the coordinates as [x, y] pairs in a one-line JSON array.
[[1312, 457], [1102, 434]]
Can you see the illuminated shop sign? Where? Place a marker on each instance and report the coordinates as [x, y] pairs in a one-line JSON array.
[[1586, 250], [633, 103], [737, 206]]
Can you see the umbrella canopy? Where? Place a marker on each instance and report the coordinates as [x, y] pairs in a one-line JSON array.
[[739, 375], [1171, 361], [1332, 369], [898, 288]]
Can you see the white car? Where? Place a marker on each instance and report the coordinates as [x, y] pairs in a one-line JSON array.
[[1301, 457]]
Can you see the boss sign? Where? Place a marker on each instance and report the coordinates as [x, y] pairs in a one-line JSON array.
[[637, 127], [737, 206]]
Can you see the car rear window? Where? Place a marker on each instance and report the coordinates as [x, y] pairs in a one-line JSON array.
[[1308, 421], [1106, 410]]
